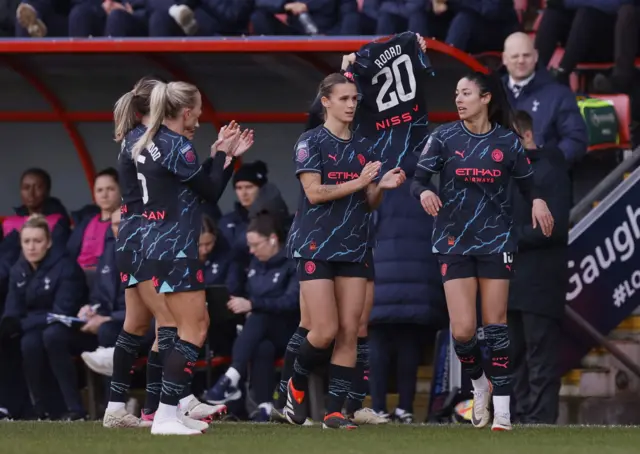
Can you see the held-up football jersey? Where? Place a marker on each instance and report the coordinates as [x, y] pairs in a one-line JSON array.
[[475, 176], [337, 230], [171, 208], [389, 76]]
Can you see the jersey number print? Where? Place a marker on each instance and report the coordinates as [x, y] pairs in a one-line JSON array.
[[392, 74]]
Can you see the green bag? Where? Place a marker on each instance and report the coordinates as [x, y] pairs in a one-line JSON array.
[[601, 120]]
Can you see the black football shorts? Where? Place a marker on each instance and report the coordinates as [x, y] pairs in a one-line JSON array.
[[489, 266], [312, 270]]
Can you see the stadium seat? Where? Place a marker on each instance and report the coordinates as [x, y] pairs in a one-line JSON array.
[[622, 104], [490, 59]]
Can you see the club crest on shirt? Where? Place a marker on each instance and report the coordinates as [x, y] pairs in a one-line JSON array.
[[187, 153], [497, 155], [302, 151]]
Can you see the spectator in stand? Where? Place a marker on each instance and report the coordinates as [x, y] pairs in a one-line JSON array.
[[108, 18], [35, 192], [478, 25], [409, 305], [537, 292], [220, 270], [201, 17], [308, 17], [399, 16], [556, 118], [92, 222], [40, 18], [247, 182], [368, 18], [214, 251], [106, 321], [43, 281], [584, 27], [625, 51], [272, 311]]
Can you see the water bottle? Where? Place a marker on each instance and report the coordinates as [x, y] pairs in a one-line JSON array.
[[309, 26]]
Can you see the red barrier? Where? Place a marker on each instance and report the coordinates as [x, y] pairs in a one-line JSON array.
[[164, 53]]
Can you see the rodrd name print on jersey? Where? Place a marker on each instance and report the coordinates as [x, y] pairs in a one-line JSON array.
[[387, 55]]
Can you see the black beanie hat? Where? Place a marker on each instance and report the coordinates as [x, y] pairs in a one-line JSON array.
[[253, 172]]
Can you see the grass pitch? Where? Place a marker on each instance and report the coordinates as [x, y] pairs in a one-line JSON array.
[[244, 438]]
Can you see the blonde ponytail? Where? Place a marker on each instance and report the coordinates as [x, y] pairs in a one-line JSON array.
[[124, 116], [157, 114]]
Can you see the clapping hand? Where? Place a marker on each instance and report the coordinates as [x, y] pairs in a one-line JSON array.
[[369, 172], [245, 141], [392, 179], [227, 138]]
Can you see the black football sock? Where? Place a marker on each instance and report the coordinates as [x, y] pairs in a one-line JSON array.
[[124, 355]]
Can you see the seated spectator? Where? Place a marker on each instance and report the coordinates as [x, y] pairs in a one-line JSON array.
[[214, 251], [326, 17], [107, 319], [272, 315], [88, 238], [584, 27], [409, 305], [108, 18], [625, 50], [247, 182], [35, 192], [220, 269], [537, 292], [556, 117], [478, 25], [43, 281], [40, 18], [200, 17], [400, 16]]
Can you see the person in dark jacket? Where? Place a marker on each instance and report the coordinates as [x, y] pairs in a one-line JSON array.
[[113, 18], [220, 270], [92, 223], [585, 28], [556, 118], [537, 293], [46, 281], [247, 181], [272, 308], [479, 25], [35, 192], [399, 16], [409, 304], [200, 17], [329, 17]]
